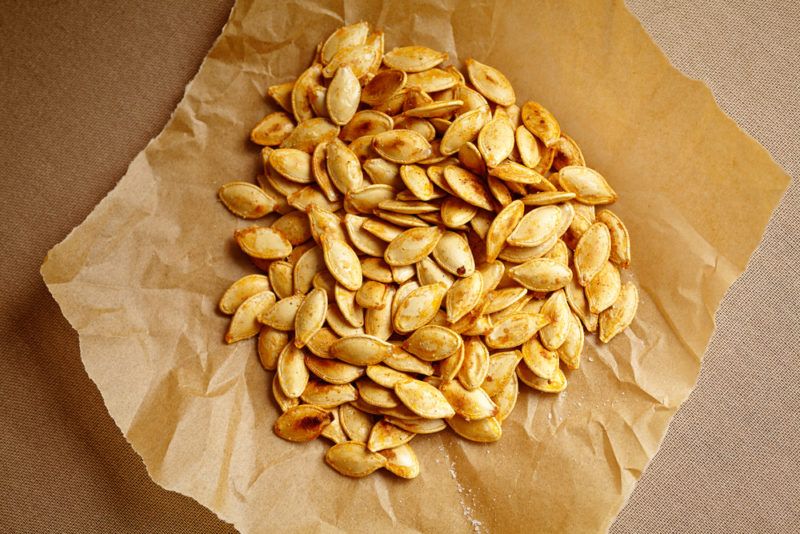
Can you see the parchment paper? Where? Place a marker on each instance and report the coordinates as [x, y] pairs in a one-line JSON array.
[[140, 278]]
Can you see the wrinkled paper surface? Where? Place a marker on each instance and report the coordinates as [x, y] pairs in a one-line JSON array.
[[140, 278]]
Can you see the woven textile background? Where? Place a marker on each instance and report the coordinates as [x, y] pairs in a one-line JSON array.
[[86, 84]]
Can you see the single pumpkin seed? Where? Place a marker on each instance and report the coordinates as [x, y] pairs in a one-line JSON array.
[[302, 423], [536, 227], [470, 404], [355, 423], [620, 315], [502, 227], [588, 185], [557, 311], [328, 396], [463, 296], [501, 368], [342, 262], [401, 461], [244, 323], [413, 58], [450, 366], [262, 242], [383, 86], [360, 350], [270, 344], [432, 342], [376, 269], [283, 402], [490, 82], [567, 152], [343, 96], [320, 343], [272, 129], [333, 371], [309, 133], [280, 278], [418, 308], [310, 316], [541, 362], [432, 80], [620, 240], [423, 399], [514, 330], [282, 94], [344, 168], [482, 431], [353, 459], [496, 141], [241, 290], [376, 395], [467, 187], [541, 123], [292, 372], [412, 245], [556, 384], [541, 274], [592, 252], [402, 146], [281, 315], [346, 301], [358, 58], [246, 200], [361, 239], [602, 290]]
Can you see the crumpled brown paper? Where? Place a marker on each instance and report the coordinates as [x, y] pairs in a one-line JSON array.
[[140, 278]]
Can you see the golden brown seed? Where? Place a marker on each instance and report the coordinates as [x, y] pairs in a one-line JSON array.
[[501, 299], [413, 58], [602, 290], [514, 330], [376, 269], [358, 58], [545, 198], [355, 423], [419, 307], [264, 243], [401, 461], [302, 423], [352, 35], [557, 311], [334, 430], [401, 360], [402, 146], [272, 129], [333, 371], [467, 187], [282, 94], [360, 350], [328, 396], [417, 181], [541, 123], [542, 362], [483, 430], [346, 302], [385, 435], [281, 315], [501, 368], [283, 402], [322, 221], [570, 350], [501, 228], [462, 130], [301, 106], [469, 404], [344, 168], [244, 323], [241, 290], [306, 268], [429, 272], [292, 372], [620, 241], [515, 173], [432, 80], [372, 295], [556, 384], [619, 316], [383, 86], [366, 122], [453, 253], [592, 252], [342, 262], [423, 399], [450, 366], [246, 200], [353, 459], [386, 376], [507, 398], [280, 278], [376, 395], [537, 227], [309, 196], [496, 141], [320, 343], [432, 343], [490, 82], [463, 296], [588, 185], [367, 199], [292, 164], [270, 344], [310, 316], [294, 226], [541, 274], [309, 133], [378, 321], [412, 245], [343, 96], [567, 152], [361, 239]]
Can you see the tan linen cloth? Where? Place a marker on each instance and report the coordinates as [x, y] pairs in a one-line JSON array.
[[89, 89]]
